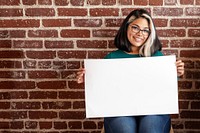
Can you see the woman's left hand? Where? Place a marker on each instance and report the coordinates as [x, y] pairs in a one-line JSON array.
[[180, 67]]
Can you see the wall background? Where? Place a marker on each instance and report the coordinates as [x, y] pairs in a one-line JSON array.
[[43, 44]]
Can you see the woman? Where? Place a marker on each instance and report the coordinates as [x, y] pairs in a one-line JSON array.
[[137, 38]]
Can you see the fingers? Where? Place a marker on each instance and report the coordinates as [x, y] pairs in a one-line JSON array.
[[180, 67], [80, 75]]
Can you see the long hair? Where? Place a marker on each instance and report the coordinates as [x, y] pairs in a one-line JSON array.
[[150, 46]]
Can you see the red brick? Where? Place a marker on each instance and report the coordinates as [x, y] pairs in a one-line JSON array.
[[75, 33], [96, 44], [68, 74], [195, 105], [42, 74], [4, 125], [156, 2], [60, 125], [104, 33], [170, 52], [61, 2], [187, 43], [93, 2], [42, 33], [141, 2], [56, 105], [56, 22], [192, 11], [160, 22], [59, 65], [45, 125], [162, 11], [189, 64], [43, 95], [97, 54], [18, 95], [194, 32], [192, 74], [71, 95], [58, 44], [165, 43], [172, 33], [44, 64], [75, 85], [197, 2], [16, 125], [17, 34], [87, 22], [27, 44], [187, 2], [5, 43], [185, 85], [194, 95], [170, 2], [10, 2], [192, 125], [104, 12], [79, 105], [17, 84], [29, 2], [19, 23], [14, 12], [113, 22], [77, 2], [72, 54], [31, 124], [51, 84], [125, 2], [72, 115], [42, 114], [190, 53], [10, 64], [73, 64], [190, 114], [183, 105], [185, 22], [109, 2], [89, 125], [72, 12], [14, 115], [75, 125], [12, 74], [4, 34], [40, 12], [26, 105], [197, 85], [4, 105], [45, 2], [41, 54], [29, 64]]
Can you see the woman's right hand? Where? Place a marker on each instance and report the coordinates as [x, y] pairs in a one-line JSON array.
[[80, 75]]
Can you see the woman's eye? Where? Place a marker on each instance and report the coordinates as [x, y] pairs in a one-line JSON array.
[[146, 31]]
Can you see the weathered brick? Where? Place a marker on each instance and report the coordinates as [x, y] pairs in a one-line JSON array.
[[27, 44], [72, 12], [162, 11], [61, 2], [60, 125], [19, 23], [40, 12], [10, 2], [87, 22], [52, 85], [77, 2], [75, 125], [89, 125], [56, 105], [104, 12], [14, 12], [56, 22], [72, 115], [192, 11], [71, 95], [42, 114], [108, 2], [75, 33]]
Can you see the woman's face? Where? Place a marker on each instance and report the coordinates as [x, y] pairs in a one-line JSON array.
[[138, 32]]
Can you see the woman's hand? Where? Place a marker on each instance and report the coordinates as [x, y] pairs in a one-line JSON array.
[[180, 67], [80, 75]]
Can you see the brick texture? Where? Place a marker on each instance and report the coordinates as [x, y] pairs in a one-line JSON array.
[[43, 44]]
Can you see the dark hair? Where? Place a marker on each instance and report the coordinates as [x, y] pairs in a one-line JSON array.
[[151, 45]]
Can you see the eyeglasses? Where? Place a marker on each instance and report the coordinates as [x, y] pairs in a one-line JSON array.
[[136, 29]]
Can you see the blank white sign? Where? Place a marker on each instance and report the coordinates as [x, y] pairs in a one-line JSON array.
[[131, 86]]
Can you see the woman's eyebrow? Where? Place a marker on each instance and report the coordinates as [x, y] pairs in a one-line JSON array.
[[139, 26]]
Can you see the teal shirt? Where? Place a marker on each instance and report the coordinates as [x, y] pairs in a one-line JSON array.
[[122, 54]]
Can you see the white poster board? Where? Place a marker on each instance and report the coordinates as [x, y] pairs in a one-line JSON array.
[[131, 86]]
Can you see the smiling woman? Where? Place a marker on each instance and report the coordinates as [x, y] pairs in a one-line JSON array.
[[137, 38]]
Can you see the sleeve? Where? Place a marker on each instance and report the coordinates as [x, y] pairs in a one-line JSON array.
[[108, 56], [158, 53]]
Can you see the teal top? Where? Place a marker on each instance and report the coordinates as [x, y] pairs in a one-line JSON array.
[[122, 54]]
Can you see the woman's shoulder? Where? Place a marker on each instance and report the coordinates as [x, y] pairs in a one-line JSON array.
[[113, 54], [158, 53]]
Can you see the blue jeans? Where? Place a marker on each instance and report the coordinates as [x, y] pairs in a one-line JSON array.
[[138, 124]]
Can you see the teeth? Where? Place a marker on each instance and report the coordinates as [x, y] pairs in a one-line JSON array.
[[138, 39]]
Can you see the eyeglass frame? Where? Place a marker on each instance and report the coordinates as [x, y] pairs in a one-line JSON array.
[[138, 28]]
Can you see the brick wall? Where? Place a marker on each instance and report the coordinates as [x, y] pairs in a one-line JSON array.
[[43, 44]]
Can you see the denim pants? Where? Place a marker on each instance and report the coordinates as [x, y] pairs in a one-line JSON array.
[[138, 124]]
